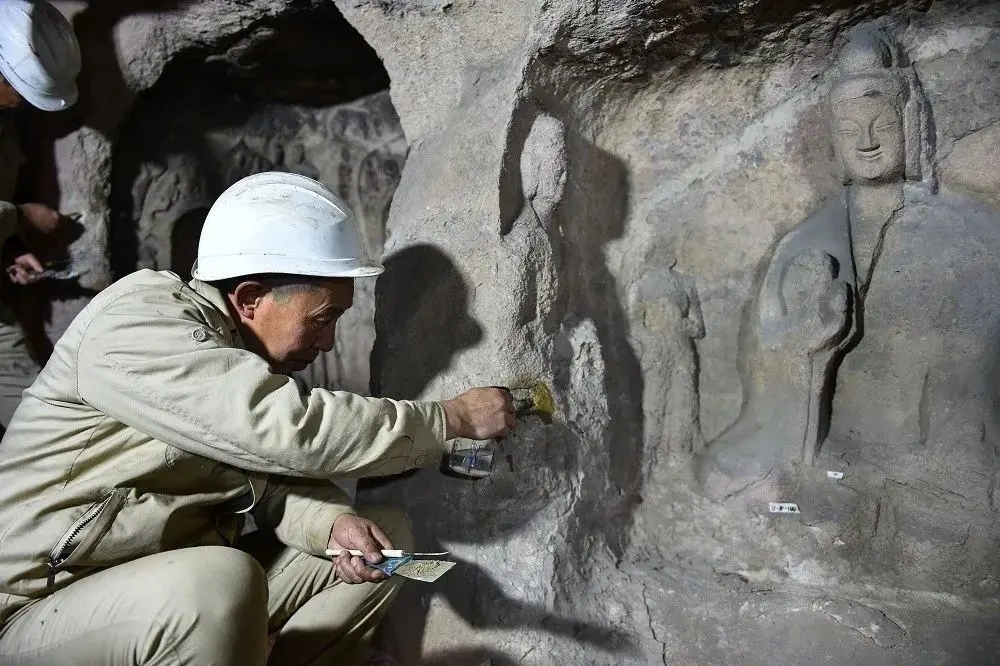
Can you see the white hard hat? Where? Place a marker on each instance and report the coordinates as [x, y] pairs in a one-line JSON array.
[[277, 222], [39, 54]]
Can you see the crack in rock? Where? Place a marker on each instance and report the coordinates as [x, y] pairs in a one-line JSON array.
[[870, 622], [652, 631]]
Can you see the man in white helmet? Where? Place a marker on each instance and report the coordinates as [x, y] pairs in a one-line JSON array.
[[166, 413], [39, 63]]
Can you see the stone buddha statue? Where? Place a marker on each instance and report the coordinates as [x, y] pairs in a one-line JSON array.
[[874, 339], [664, 304]]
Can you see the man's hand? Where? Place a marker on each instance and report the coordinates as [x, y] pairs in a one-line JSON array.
[[480, 413], [39, 218], [352, 532], [25, 269]]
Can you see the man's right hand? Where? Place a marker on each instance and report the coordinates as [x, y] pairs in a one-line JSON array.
[[351, 532], [480, 413]]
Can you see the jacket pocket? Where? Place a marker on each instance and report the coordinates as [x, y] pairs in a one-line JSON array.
[[85, 533]]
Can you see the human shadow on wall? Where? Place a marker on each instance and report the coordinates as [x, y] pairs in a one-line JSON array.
[[422, 322], [421, 313], [594, 214], [424, 319]]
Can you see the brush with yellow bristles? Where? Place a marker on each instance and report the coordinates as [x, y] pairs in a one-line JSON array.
[[534, 399], [476, 462]]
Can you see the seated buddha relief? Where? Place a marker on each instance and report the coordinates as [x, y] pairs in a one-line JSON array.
[[873, 342]]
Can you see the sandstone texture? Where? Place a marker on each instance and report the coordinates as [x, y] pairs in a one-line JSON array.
[[600, 189]]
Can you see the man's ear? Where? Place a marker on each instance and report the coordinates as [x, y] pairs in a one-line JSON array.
[[247, 297]]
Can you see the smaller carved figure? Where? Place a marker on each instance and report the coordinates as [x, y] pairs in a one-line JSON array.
[[664, 304]]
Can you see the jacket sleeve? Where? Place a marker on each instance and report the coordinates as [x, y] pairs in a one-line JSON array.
[[302, 512], [154, 361], [8, 220]]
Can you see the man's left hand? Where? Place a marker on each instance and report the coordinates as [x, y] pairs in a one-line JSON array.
[[40, 219], [352, 532], [25, 269]]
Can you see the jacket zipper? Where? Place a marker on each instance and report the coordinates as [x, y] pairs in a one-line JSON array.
[[56, 556]]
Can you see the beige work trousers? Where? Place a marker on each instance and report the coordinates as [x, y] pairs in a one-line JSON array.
[[208, 606], [18, 369]]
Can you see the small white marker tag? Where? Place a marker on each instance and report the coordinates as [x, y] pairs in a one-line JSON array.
[[834, 475], [783, 507]]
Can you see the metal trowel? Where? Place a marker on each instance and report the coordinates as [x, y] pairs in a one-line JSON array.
[[409, 565], [475, 462]]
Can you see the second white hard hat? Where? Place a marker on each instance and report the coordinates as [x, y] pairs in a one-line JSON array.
[[39, 54], [277, 222]]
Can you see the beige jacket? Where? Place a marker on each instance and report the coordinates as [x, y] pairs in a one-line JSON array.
[[151, 428]]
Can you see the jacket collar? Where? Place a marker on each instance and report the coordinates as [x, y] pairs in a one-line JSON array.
[[218, 300]]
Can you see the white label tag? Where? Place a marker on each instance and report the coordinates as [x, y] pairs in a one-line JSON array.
[[834, 475], [784, 507]]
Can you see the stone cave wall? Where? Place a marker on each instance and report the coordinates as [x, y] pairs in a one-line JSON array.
[[635, 168], [593, 195]]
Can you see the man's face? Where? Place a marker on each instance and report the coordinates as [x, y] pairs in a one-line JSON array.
[[869, 138], [293, 327], [9, 98]]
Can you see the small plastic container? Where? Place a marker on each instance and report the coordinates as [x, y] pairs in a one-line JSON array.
[[473, 462]]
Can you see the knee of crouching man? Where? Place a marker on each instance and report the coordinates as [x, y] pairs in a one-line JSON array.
[[394, 523]]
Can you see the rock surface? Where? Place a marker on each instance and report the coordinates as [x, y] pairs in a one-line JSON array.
[[635, 165], [127, 48]]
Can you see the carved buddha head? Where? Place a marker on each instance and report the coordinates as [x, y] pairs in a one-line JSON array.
[[868, 104], [881, 121]]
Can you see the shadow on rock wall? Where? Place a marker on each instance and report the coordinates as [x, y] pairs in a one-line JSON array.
[[588, 470], [594, 214], [424, 320], [421, 315]]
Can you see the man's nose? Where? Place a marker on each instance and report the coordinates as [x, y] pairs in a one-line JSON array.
[[327, 338]]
